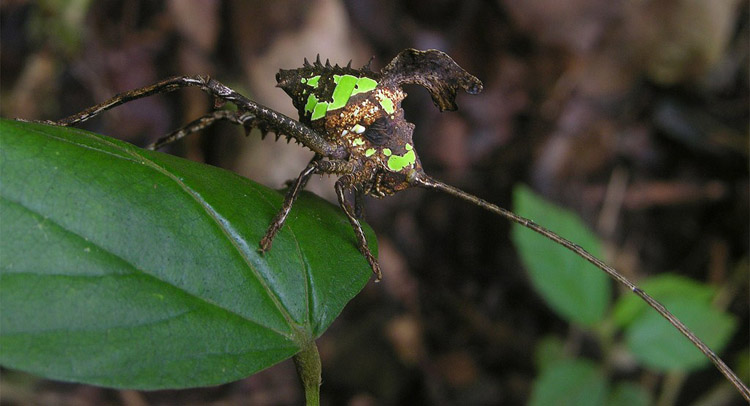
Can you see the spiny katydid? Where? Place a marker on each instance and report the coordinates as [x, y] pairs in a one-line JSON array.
[[352, 119]]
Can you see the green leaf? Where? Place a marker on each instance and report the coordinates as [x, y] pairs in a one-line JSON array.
[[628, 394], [655, 342], [569, 382], [130, 268], [658, 345], [575, 289], [742, 362], [662, 287], [549, 350]]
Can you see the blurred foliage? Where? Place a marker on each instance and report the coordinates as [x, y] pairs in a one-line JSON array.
[[575, 289], [57, 24], [650, 339]]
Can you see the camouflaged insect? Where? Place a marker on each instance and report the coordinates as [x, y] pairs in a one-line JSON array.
[[360, 110], [351, 118]]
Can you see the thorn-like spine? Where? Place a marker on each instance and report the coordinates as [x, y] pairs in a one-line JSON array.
[[306, 63], [367, 67], [317, 60]]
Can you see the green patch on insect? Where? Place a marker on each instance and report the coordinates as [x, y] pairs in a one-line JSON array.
[[312, 82], [399, 162], [387, 105]]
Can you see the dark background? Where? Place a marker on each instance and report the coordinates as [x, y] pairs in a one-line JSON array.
[[649, 98]]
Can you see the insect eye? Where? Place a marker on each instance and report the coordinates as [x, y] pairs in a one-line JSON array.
[[378, 132]]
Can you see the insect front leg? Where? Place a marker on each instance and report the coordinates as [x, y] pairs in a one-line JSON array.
[[263, 117], [316, 165], [345, 182], [286, 207], [164, 86]]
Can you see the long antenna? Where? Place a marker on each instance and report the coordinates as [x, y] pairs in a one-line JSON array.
[[422, 180]]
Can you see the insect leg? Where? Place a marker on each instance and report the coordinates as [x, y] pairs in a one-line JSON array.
[[291, 196], [345, 182], [264, 118], [270, 120], [237, 117], [164, 86], [316, 165], [359, 204]]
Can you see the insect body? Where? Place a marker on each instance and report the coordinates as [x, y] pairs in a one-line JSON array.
[[360, 112], [353, 121]]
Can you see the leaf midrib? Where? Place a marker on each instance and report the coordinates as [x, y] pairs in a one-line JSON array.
[[138, 158], [134, 269]]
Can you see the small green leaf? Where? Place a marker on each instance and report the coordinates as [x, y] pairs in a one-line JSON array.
[[662, 287], [574, 288], [654, 341], [569, 383], [549, 350], [628, 394], [130, 268], [743, 364], [658, 345]]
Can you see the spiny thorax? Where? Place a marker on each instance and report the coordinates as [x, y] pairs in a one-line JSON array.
[[316, 89], [351, 108]]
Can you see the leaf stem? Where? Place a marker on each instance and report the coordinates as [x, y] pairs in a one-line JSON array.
[[308, 366]]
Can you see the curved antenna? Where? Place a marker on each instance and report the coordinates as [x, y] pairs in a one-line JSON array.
[[422, 180]]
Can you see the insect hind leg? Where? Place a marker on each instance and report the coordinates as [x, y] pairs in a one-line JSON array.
[[237, 117]]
